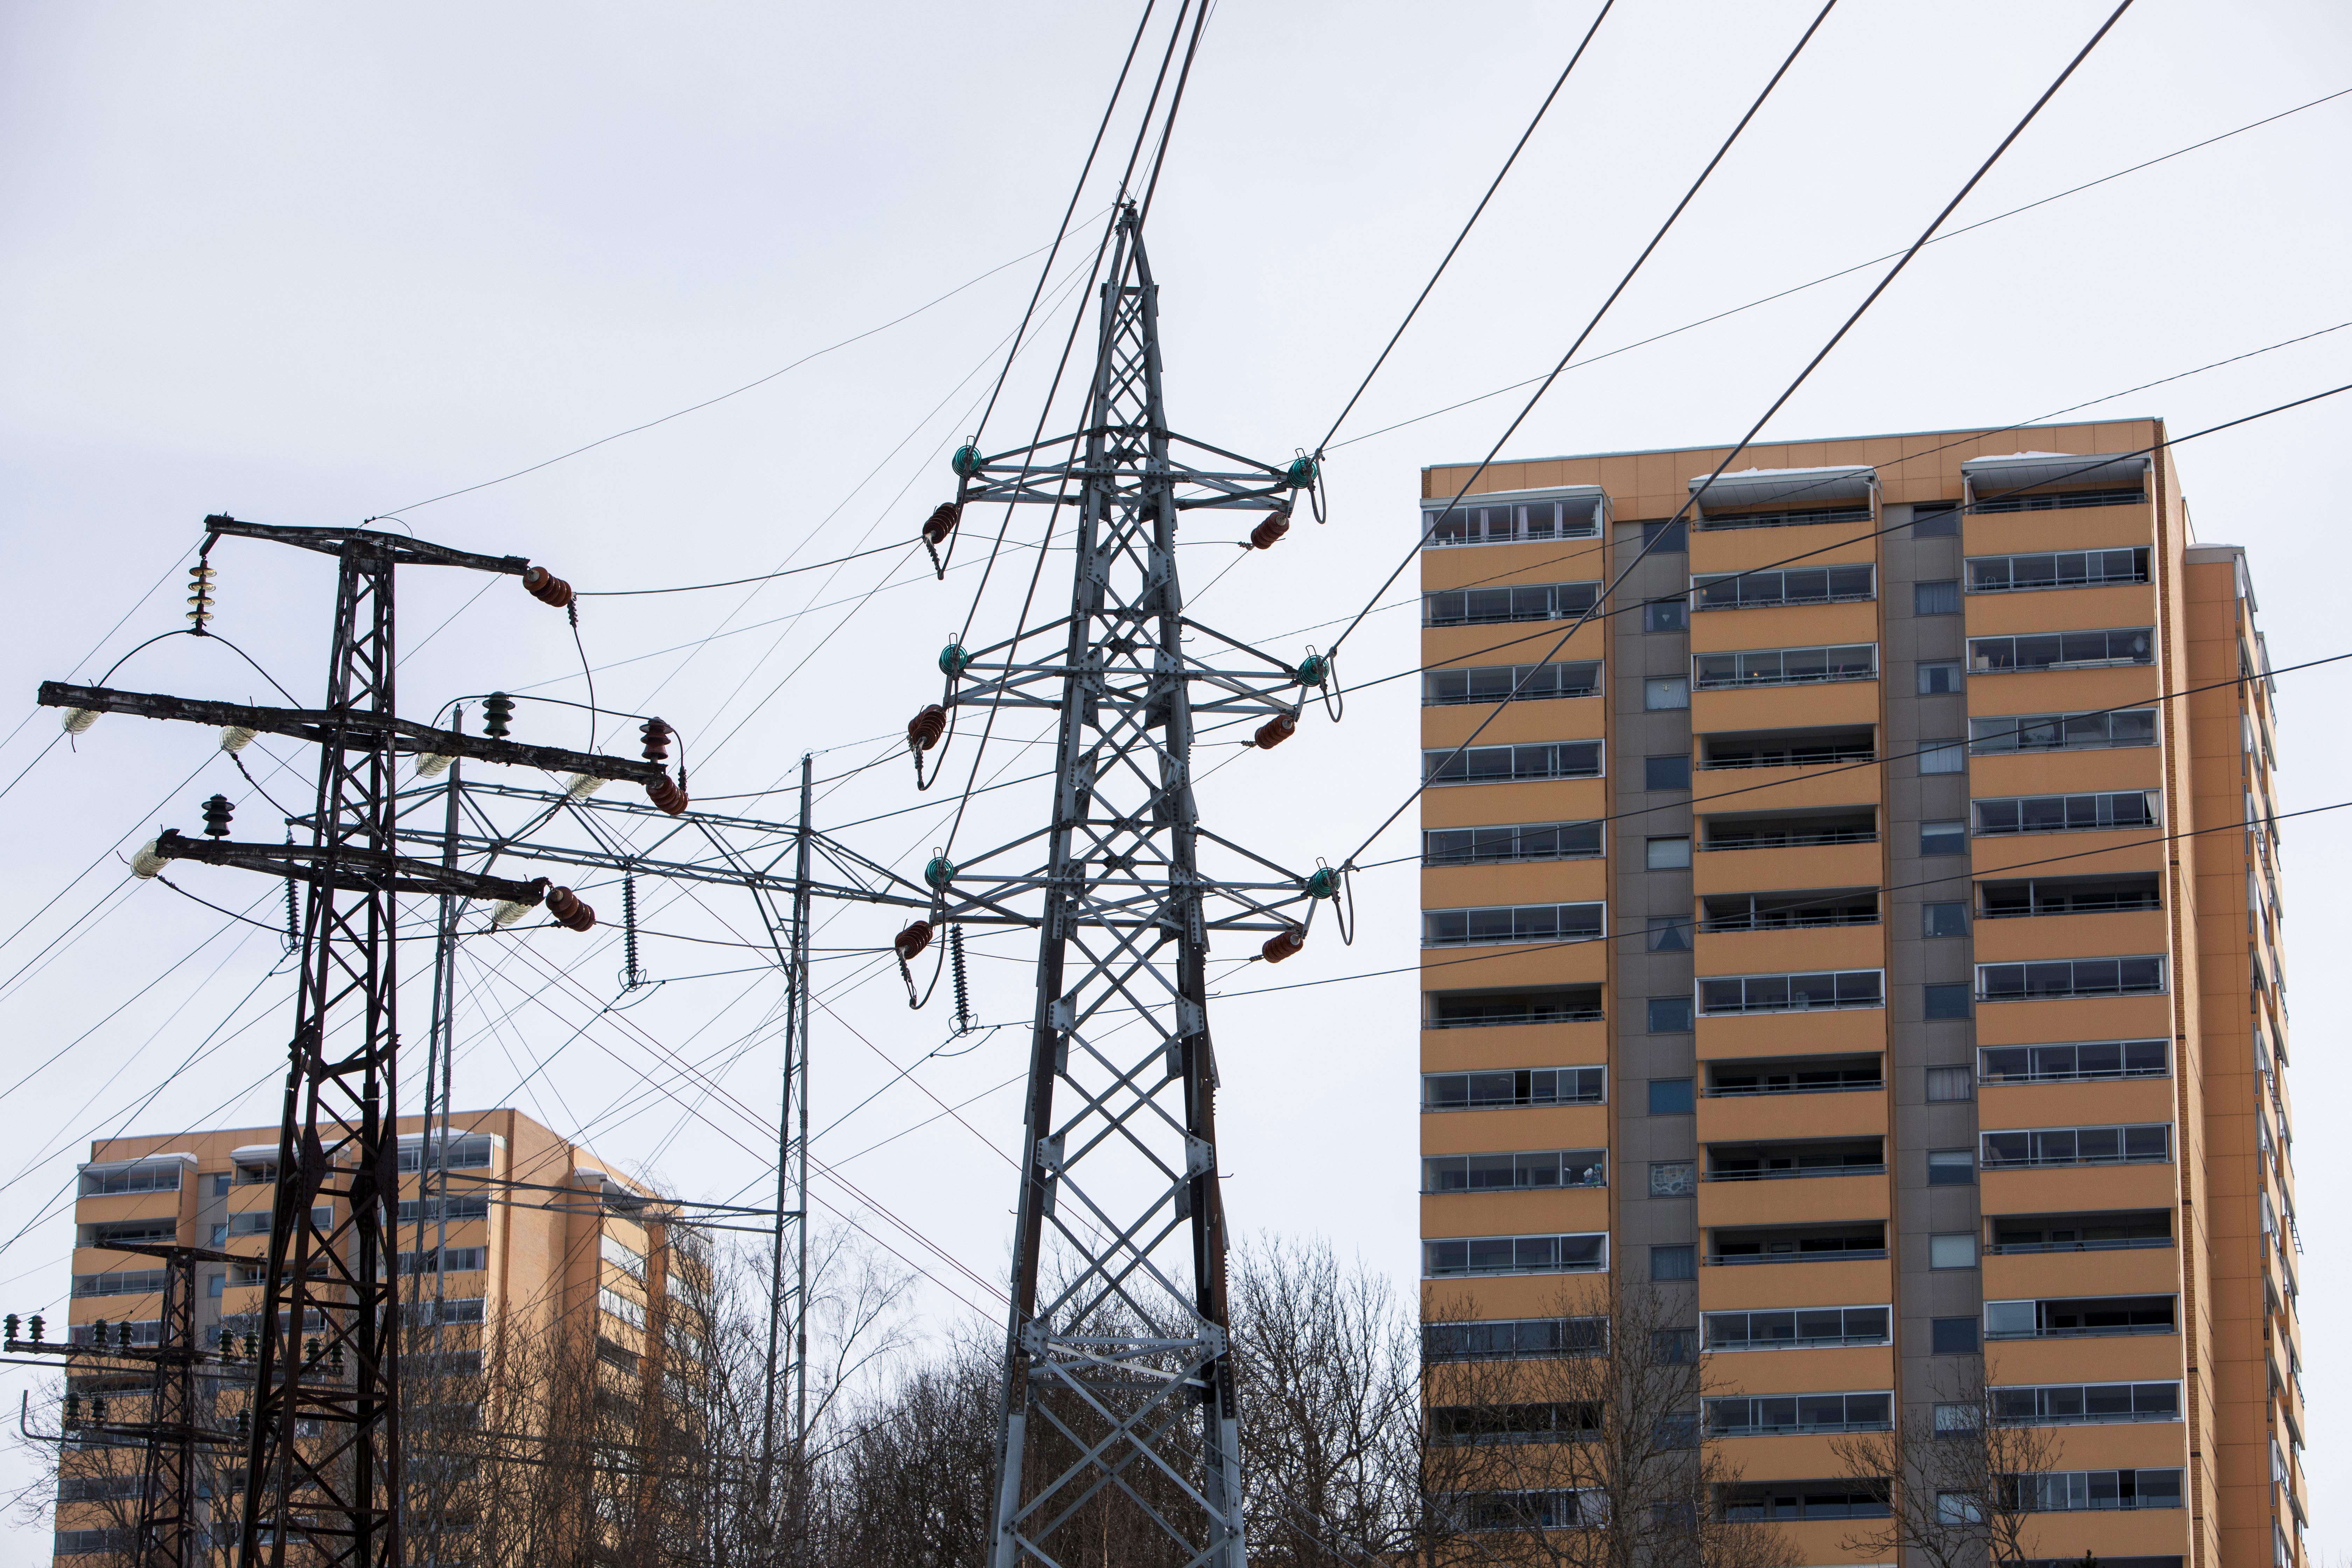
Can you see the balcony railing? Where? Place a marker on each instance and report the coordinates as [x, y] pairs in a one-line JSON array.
[[1794, 841], [1795, 1172], [1789, 920], [1847, 1255], [1877, 1086], [2115, 1244]]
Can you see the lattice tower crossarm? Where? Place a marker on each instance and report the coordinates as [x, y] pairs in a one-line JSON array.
[[1118, 1388]]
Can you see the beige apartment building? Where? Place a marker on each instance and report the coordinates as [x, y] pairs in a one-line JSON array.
[[537, 1234], [1868, 926]]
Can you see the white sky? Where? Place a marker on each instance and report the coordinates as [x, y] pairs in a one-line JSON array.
[[311, 265]]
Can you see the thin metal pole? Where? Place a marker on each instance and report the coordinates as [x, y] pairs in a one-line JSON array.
[[795, 1024], [436, 1055], [802, 1004]]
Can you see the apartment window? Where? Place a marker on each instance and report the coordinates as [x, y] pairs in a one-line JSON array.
[[445, 1260], [1950, 1084], [1816, 585], [1783, 1413], [1951, 1167], [2016, 500], [2063, 569], [1673, 1178], [1675, 1347], [1936, 519], [1787, 666], [2139, 1143], [221, 1183], [1512, 1087], [163, 1176], [1514, 1339], [1509, 842], [1944, 836], [2082, 1404], [1459, 1256], [1670, 933], [1666, 773], [619, 1306], [1943, 919], [1667, 854], [120, 1282], [1666, 536], [1510, 682], [215, 1283], [1796, 1328], [1791, 1501], [1943, 756], [1545, 1168], [1674, 1263], [1952, 1250], [462, 1207], [1672, 1096], [2059, 1064], [1504, 1009], [1524, 601], [2079, 1317], [1514, 922], [1586, 1508], [2074, 1492], [2097, 813], [1792, 993], [2070, 977], [1670, 1016], [1952, 1336], [2062, 731], [1665, 614], [1945, 1001], [464, 1154], [1936, 598], [2060, 651], [1662, 693], [1957, 1508], [1939, 677], [1478, 521], [1506, 764]]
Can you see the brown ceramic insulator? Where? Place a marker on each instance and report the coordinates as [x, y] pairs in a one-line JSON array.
[[546, 586], [942, 523], [924, 730], [1276, 730], [1265, 534], [909, 943], [568, 910], [667, 794], [656, 736], [1284, 944]]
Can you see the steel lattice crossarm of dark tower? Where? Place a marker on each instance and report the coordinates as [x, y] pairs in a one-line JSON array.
[[339, 1490], [1119, 1385], [169, 1535]]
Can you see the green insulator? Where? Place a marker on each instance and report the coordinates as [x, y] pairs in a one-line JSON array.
[[966, 461], [1324, 884], [498, 709], [939, 873], [952, 660], [1300, 474], [1314, 669]]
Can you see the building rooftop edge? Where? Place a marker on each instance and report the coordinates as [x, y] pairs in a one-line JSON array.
[[1804, 441]]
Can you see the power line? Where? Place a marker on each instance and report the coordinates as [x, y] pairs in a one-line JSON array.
[[1848, 271], [1790, 391], [1541, 110], [708, 402], [1515, 949], [1623, 283]]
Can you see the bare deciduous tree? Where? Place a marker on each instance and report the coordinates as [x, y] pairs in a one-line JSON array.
[[1576, 1444], [1957, 1479]]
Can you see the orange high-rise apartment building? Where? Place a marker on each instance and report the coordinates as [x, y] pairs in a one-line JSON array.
[[1871, 918], [537, 1233]]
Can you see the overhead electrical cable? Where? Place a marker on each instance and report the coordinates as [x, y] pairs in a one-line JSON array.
[[1475, 213], [1848, 271], [1623, 283], [1651, 542]]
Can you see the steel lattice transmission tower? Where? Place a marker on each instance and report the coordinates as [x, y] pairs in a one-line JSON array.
[[1118, 1386]]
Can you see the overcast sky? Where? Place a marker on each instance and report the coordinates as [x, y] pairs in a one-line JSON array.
[[317, 265]]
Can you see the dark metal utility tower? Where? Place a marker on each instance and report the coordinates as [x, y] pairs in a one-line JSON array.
[[323, 1456], [1118, 1388]]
